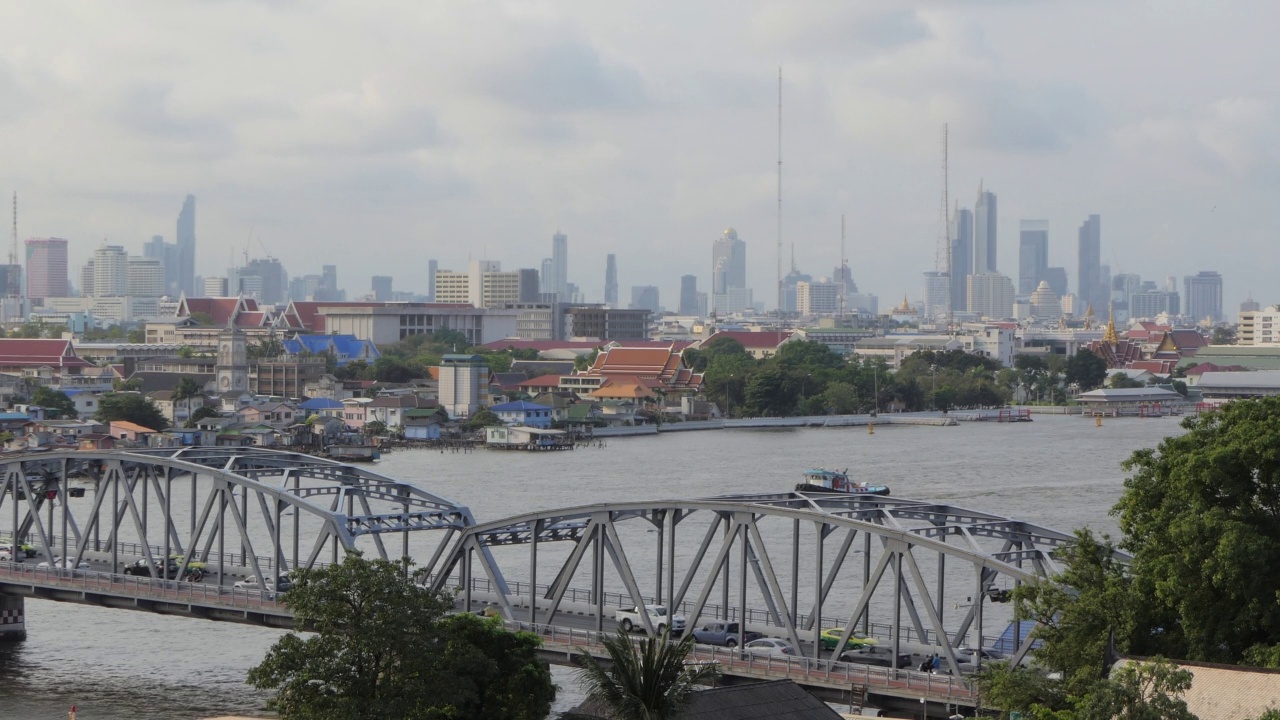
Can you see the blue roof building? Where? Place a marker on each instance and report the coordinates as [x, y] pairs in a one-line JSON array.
[[344, 348], [523, 412]]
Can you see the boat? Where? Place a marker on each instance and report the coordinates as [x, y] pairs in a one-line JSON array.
[[821, 480]]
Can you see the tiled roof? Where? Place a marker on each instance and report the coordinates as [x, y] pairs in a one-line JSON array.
[[1205, 367], [129, 427], [518, 406], [759, 340], [320, 404], [23, 352], [542, 381]]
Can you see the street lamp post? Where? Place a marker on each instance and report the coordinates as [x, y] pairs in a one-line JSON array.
[[933, 394]]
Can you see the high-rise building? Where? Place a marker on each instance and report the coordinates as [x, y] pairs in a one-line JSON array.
[[1249, 305], [110, 271], [145, 277], [381, 288], [1204, 295], [46, 268], [432, 267], [1150, 303], [328, 289], [530, 288], [1091, 290], [1057, 277], [167, 254], [991, 295], [558, 283], [86, 280], [688, 295], [263, 278], [728, 270], [961, 256], [1260, 327], [186, 246], [817, 298], [645, 297], [936, 293], [984, 232], [215, 287], [611, 281], [1033, 254], [484, 285], [789, 282]]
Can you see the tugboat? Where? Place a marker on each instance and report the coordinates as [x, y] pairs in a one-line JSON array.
[[821, 480]]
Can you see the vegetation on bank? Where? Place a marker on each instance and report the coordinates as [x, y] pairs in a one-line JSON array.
[[1199, 516]]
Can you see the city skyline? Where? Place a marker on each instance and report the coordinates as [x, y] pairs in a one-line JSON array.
[[622, 143]]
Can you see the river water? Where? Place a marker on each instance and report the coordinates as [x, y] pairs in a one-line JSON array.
[[1059, 471]]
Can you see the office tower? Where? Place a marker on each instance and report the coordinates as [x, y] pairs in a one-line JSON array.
[[110, 271], [1033, 254], [215, 287], [817, 298], [1057, 277], [530, 287], [559, 267], [936, 293], [1151, 302], [984, 232], [644, 297], [1249, 305], [167, 254], [86, 280], [186, 246], [990, 295], [432, 267], [301, 288], [729, 273], [961, 256], [145, 277], [328, 290], [1204, 295], [263, 278], [46, 268], [611, 281], [1091, 291], [688, 295], [381, 288], [548, 280], [789, 282]]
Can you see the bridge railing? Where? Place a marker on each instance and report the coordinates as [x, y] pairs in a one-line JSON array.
[[157, 589], [754, 616], [731, 661], [136, 550]]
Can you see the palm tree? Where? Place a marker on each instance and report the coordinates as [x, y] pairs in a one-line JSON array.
[[645, 680]]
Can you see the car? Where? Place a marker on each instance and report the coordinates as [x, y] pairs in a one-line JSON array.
[[143, 569], [63, 563], [724, 634], [281, 584], [831, 636], [876, 656], [24, 551], [964, 653], [630, 620], [771, 646]]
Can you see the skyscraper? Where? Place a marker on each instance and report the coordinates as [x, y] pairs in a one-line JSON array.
[[936, 293], [186, 241], [961, 256], [611, 281], [1204, 295], [729, 272], [432, 267], [46, 268], [1033, 254], [381, 287], [984, 232], [167, 254], [644, 297], [110, 271], [560, 265], [530, 286], [145, 277], [1090, 289], [328, 289], [689, 295], [991, 295]]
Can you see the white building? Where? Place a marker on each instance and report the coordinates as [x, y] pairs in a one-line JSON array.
[[107, 310], [462, 381], [110, 271], [146, 277], [990, 295], [215, 287], [1260, 327], [484, 284], [1045, 304], [936, 294], [817, 298], [382, 324]]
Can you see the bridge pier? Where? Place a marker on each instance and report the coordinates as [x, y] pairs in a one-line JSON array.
[[13, 618]]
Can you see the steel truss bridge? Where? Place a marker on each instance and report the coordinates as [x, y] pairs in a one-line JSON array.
[[914, 575]]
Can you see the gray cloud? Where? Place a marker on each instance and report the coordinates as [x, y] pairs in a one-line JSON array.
[[565, 77]]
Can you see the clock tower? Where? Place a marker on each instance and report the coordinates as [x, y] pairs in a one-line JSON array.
[[233, 363]]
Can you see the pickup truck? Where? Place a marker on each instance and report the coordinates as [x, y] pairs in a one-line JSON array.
[[658, 617], [723, 633]]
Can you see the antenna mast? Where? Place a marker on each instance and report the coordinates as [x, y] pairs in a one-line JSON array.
[[946, 233], [779, 195], [843, 272]]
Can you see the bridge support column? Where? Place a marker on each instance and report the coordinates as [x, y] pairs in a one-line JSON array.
[[13, 618]]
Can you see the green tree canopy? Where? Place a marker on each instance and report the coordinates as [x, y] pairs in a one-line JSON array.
[[131, 407], [645, 680], [202, 412], [382, 648], [187, 387], [57, 404], [483, 418], [1086, 369]]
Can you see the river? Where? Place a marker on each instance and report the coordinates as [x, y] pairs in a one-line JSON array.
[[1059, 471]]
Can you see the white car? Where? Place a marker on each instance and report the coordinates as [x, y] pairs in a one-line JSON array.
[[658, 617], [64, 563], [251, 583], [771, 646]]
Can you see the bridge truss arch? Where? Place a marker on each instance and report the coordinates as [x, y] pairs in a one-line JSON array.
[[790, 555], [233, 512]]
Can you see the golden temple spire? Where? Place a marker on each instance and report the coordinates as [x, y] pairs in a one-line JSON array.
[[1109, 336], [1088, 317], [906, 306]]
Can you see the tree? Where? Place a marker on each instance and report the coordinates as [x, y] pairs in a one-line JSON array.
[[202, 412], [187, 387], [840, 397], [1086, 370], [1120, 380], [1138, 691], [186, 352], [767, 393], [1199, 515], [130, 407], [56, 403], [1223, 335], [482, 419], [645, 680], [582, 362], [450, 340], [265, 349], [381, 648], [375, 427]]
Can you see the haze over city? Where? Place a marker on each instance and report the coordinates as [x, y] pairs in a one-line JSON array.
[[315, 132]]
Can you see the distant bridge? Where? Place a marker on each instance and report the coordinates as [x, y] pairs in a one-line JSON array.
[[916, 576]]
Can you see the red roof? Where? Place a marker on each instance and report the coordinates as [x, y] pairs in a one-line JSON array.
[[542, 345], [1203, 368], [222, 310], [762, 340], [23, 352], [251, 319], [653, 363], [542, 381]]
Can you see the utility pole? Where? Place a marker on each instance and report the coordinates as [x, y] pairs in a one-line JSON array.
[[779, 196]]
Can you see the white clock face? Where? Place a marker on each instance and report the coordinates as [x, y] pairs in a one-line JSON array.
[[226, 383]]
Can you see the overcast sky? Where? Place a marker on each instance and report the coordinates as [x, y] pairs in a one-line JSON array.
[[329, 132]]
